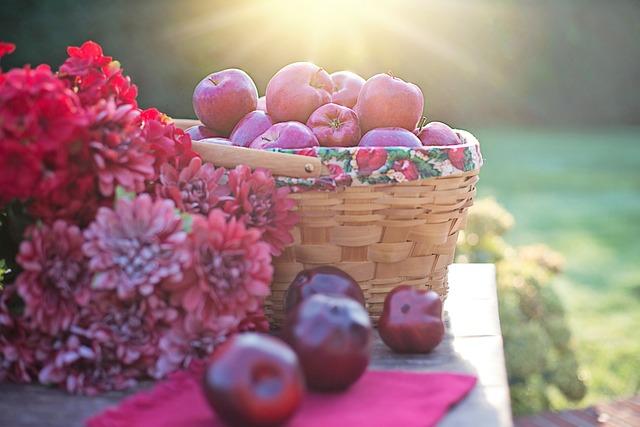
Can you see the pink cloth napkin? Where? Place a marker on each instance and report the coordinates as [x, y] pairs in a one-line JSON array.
[[379, 398]]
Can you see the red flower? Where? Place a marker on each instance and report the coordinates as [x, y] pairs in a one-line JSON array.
[[118, 149], [135, 246], [167, 143], [20, 171], [370, 159], [456, 157], [6, 48], [95, 76], [194, 189], [230, 273], [262, 206], [407, 168], [54, 282]]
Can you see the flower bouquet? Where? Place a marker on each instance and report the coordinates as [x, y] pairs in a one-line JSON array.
[[128, 256]]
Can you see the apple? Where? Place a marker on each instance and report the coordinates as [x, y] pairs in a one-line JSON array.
[[221, 99], [335, 126], [346, 88], [286, 135], [250, 127], [411, 320], [199, 132], [262, 104], [254, 380], [390, 137], [296, 91], [438, 134], [332, 337], [324, 280], [387, 101], [220, 141]]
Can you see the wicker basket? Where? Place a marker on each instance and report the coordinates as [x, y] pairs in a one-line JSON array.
[[383, 235]]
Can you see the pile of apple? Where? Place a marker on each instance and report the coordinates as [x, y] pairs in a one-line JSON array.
[[258, 380], [306, 107]]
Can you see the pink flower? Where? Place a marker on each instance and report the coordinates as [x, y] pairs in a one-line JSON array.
[[188, 340], [262, 206], [17, 343], [118, 150], [194, 189], [54, 282], [230, 272], [370, 159], [407, 168], [135, 246]]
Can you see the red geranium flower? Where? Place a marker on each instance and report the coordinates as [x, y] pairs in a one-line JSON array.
[[230, 272], [95, 76], [167, 143], [262, 206], [6, 48]]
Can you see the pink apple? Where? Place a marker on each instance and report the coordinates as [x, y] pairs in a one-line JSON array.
[[335, 126], [346, 88], [250, 127], [296, 91], [220, 141], [262, 104], [221, 99], [199, 132], [387, 101], [286, 135], [389, 137], [439, 134]]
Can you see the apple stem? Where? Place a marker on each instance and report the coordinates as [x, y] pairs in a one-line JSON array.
[[391, 74], [212, 80], [422, 123]]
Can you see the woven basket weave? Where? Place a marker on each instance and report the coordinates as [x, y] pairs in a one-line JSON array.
[[383, 235]]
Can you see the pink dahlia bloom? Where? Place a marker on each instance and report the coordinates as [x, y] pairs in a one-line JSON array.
[[194, 189], [186, 341], [135, 246], [262, 206], [119, 152], [54, 282], [79, 364], [17, 343], [230, 273]]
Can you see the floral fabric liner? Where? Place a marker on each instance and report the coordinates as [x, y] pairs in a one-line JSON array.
[[357, 166]]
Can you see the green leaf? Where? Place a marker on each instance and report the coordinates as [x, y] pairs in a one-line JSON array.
[[187, 222], [121, 193]]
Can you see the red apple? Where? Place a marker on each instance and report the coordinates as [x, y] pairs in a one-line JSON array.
[[199, 132], [346, 88], [387, 101], [221, 99], [389, 137], [324, 280], [250, 127], [262, 104], [221, 141], [254, 380], [296, 91], [335, 126], [411, 320], [286, 135], [332, 337], [438, 134]]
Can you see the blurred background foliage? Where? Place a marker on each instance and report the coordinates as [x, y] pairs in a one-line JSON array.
[[542, 366], [550, 87]]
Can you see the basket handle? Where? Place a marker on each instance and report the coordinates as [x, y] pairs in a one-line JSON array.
[[282, 164]]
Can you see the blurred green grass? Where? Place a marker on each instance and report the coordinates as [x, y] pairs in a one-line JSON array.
[[579, 192]]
